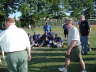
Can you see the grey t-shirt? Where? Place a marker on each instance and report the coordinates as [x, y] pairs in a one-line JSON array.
[[73, 34]]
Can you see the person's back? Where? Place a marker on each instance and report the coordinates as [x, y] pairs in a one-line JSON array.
[[15, 43], [17, 36]]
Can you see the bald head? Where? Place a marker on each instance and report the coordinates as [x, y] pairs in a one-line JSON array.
[[9, 22]]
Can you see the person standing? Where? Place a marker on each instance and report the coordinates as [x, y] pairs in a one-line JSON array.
[[47, 27], [84, 29], [65, 31], [15, 43], [73, 52]]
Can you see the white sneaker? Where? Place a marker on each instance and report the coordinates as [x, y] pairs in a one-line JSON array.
[[83, 71], [63, 69]]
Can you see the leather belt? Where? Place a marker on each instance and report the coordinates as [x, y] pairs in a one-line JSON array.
[[13, 52]]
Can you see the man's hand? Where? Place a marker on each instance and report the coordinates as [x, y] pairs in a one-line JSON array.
[[71, 46], [29, 57], [68, 51]]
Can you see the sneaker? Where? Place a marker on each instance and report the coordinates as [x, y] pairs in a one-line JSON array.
[[83, 71], [63, 69]]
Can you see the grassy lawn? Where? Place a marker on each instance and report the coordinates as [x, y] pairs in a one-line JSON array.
[[49, 59]]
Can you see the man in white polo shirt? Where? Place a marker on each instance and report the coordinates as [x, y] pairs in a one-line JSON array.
[[15, 43], [74, 48]]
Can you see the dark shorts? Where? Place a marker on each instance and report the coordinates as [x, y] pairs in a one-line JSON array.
[[75, 54], [65, 31]]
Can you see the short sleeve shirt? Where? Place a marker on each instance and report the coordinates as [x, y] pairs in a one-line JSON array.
[[73, 35]]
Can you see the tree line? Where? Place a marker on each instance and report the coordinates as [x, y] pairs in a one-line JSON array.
[[34, 10]]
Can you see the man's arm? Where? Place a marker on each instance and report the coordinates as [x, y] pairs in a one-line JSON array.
[[29, 53], [72, 45], [28, 46]]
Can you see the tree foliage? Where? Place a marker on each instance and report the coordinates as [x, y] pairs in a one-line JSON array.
[[33, 10], [81, 7]]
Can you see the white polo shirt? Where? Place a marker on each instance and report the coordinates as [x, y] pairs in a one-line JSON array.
[[73, 34], [0, 31], [14, 39]]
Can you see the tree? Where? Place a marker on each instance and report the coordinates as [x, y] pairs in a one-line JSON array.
[[34, 10], [81, 7]]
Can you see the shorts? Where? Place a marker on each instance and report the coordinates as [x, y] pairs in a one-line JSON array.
[[75, 54]]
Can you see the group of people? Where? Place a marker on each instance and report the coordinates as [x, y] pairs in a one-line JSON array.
[[48, 39], [16, 45]]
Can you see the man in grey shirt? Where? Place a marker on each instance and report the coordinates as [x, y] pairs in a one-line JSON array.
[[74, 47]]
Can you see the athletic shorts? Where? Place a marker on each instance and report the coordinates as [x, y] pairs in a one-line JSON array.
[[75, 54]]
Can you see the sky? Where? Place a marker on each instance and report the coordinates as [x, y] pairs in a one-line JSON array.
[[15, 15]]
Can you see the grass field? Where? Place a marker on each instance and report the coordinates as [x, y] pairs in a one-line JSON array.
[[49, 59]]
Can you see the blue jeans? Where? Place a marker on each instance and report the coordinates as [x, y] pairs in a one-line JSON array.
[[84, 43]]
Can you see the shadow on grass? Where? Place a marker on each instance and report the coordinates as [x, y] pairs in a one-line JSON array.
[[48, 49], [45, 62], [89, 59], [52, 58], [48, 54], [44, 69], [76, 68], [3, 69], [72, 68]]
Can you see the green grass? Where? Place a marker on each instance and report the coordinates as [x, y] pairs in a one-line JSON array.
[[92, 37], [49, 59]]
